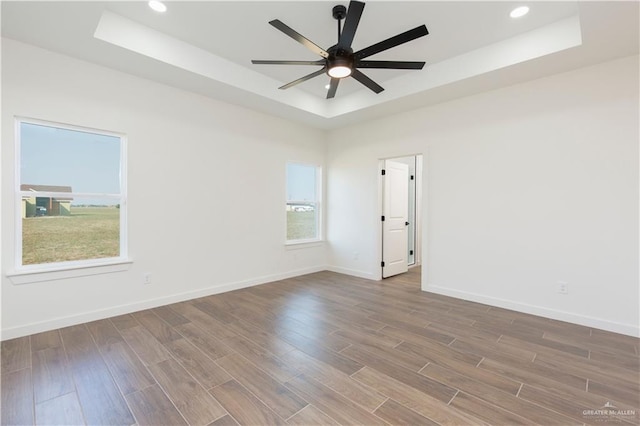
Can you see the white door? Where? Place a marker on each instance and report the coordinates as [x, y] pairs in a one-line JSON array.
[[395, 209]]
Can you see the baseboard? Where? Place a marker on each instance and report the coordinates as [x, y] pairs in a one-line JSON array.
[[616, 327], [25, 330], [352, 272], [38, 327]]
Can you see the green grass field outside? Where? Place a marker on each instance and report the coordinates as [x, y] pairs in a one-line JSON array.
[[88, 233], [94, 233], [301, 225]]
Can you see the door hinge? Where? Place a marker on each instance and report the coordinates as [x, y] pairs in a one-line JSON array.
[[384, 172], [383, 218], [411, 177], [411, 252], [406, 224], [382, 263]]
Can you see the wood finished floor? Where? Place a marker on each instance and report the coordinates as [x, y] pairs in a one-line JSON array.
[[321, 349]]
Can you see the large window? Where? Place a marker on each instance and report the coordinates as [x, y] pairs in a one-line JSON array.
[[303, 203], [70, 196]]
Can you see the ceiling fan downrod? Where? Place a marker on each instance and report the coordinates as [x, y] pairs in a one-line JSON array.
[[339, 12]]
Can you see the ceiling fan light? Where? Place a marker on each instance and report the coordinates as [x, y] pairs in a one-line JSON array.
[[339, 71]]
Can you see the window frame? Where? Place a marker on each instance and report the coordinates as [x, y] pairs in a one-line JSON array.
[[317, 205], [84, 266]]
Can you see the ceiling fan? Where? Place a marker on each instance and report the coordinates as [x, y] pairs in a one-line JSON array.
[[340, 61]]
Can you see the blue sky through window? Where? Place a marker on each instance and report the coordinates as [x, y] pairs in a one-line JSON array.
[[301, 182], [87, 162]]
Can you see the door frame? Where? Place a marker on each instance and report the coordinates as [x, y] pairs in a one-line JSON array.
[[420, 225]]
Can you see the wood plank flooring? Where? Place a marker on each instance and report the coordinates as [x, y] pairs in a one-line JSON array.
[[322, 349]]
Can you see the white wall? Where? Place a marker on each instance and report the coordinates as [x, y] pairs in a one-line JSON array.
[[206, 189], [524, 186]]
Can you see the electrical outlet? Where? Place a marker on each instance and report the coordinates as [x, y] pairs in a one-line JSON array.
[[146, 278], [563, 287]]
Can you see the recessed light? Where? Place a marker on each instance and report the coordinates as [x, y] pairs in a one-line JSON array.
[[158, 6], [519, 12]]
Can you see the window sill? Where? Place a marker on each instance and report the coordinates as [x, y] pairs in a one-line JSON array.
[[296, 245], [63, 272]]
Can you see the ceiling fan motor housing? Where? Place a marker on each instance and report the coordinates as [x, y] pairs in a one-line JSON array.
[[339, 12], [339, 58]]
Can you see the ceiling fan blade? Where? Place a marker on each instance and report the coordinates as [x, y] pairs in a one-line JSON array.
[[278, 62], [350, 24], [299, 38], [333, 86], [358, 75], [396, 65], [392, 42], [302, 79]]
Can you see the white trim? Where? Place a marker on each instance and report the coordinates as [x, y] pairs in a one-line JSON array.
[[301, 202], [68, 195], [17, 208], [616, 327], [124, 203], [67, 270], [353, 273], [420, 223], [38, 272], [303, 244], [37, 327], [76, 128], [378, 228]]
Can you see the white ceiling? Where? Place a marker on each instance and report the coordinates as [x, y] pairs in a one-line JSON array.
[[207, 47]]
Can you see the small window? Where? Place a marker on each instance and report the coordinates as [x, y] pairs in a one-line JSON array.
[[303, 203], [70, 195]]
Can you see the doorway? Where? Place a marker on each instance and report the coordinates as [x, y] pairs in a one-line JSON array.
[[400, 204]]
